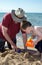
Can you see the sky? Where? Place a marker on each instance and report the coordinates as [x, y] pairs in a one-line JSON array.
[[27, 5]]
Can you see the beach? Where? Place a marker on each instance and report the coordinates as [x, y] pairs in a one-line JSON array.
[[10, 57]]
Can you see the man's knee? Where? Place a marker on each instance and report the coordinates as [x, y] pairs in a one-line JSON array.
[[2, 43]]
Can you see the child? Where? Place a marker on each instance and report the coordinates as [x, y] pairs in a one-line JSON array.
[[36, 31]]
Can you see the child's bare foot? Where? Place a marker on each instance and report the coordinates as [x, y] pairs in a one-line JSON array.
[[37, 53], [41, 57]]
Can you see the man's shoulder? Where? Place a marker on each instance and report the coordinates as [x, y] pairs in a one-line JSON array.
[[7, 15]]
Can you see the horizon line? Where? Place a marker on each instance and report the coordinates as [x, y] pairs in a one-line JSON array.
[[25, 12]]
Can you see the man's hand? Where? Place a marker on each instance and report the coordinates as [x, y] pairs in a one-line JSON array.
[[17, 49]]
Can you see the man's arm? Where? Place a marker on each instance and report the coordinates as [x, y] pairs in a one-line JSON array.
[[7, 37]]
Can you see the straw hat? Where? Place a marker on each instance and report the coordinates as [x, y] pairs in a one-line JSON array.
[[18, 15]]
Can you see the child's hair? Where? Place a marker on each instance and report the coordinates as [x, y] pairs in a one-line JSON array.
[[26, 24]]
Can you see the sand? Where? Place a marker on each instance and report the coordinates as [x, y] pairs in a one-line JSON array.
[[10, 57]]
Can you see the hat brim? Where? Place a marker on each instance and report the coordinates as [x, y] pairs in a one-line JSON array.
[[15, 18]]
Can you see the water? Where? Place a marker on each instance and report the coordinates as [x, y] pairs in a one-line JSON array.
[[34, 18], [1, 16]]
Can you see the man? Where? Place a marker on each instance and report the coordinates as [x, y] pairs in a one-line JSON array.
[[9, 27]]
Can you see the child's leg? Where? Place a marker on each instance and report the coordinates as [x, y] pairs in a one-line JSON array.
[[39, 47], [41, 57]]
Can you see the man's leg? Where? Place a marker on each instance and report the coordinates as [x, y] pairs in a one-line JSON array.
[[9, 46], [2, 44]]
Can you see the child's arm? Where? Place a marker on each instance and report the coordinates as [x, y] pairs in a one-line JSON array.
[[39, 37], [24, 39]]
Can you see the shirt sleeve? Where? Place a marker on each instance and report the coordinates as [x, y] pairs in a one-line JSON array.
[[25, 18], [23, 31], [6, 20]]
